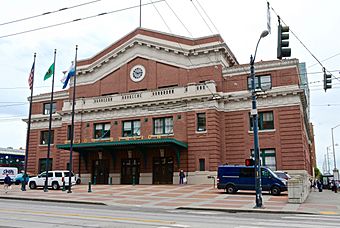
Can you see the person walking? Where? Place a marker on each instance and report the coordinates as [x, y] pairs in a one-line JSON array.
[[7, 183], [181, 176]]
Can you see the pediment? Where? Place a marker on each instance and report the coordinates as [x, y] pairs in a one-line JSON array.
[[162, 48]]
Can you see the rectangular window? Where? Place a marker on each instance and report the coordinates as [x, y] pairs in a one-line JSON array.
[[163, 126], [247, 172], [42, 165], [265, 121], [202, 164], [131, 128], [262, 82], [102, 130], [47, 106], [201, 122], [267, 158], [69, 132], [44, 137]]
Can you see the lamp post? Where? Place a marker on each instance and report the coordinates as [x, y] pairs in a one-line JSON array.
[[253, 113], [335, 171]]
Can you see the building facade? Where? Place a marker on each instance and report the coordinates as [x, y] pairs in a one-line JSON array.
[[10, 157], [154, 103]]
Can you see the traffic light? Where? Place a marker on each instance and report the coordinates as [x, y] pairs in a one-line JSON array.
[[250, 162], [283, 42], [327, 81]]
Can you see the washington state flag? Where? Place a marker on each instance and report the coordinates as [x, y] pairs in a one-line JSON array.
[[49, 72]]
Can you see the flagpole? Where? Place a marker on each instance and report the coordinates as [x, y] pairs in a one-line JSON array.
[[72, 122], [140, 13], [50, 126], [23, 184]]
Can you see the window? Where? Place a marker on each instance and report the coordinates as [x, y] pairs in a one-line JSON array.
[[267, 157], [262, 82], [163, 126], [46, 110], [131, 128], [247, 172], [265, 121], [102, 130], [201, 122], [44, 137], [42, 165], [69, 132], [202, 164], [58, 174]]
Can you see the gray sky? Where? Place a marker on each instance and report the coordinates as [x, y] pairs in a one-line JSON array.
[[316, 23]]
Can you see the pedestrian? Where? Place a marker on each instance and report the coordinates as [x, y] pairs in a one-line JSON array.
[[181, 176], [7, 183], [319, 184], [334, 186]]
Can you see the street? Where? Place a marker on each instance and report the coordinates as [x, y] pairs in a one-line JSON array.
[[17, 213]]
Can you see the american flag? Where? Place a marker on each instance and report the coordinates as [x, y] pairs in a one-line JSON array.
[[31, 77]]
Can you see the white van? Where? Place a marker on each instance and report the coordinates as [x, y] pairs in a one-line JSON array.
[[55, 179], [11, 171]]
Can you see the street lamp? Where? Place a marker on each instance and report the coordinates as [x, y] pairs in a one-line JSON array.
[[335, 171], [255, 127]]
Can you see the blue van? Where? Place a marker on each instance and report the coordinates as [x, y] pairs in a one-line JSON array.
[[232, 178]]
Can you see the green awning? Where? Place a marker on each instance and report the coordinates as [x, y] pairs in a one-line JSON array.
[[122, 143]]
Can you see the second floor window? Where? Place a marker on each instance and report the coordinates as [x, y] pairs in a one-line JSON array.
[[102, 130], [131, 128], [69, 132], [44, 137], [262, 82], [265, 121], [47, 108], [201, 122], [163, 126]]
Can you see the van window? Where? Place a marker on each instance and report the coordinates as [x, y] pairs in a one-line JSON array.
[[247, 172], [265, 173], [58, 174], [66, 174]]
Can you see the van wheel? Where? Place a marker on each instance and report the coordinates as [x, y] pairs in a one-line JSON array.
[[55, 186], [275, 191], [230, 189], [33, 185]]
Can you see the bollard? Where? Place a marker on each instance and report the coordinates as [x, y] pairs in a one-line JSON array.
[[133, 180], [64, 187], [94, 180], [89, 190], [110, 180]]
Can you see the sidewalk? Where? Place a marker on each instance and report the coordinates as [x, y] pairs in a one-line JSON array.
[[182, 197]]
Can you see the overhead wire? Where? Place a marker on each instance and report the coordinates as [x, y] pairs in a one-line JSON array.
[[47, 13], [78, 19], [318, 61]]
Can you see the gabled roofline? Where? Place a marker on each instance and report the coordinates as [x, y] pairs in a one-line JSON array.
[[155, 34]]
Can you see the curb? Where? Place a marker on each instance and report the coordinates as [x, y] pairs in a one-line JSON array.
[[233, 210], [53, 200]]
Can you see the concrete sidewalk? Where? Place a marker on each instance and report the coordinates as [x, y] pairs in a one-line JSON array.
[[202, 197]]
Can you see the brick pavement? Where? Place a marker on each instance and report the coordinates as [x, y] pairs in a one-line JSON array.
[[182, 196]]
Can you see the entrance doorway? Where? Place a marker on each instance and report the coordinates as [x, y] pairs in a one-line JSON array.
[[130, 171], [100, 174], [163, 169]]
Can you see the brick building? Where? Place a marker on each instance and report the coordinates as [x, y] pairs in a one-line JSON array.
[[153, 103]]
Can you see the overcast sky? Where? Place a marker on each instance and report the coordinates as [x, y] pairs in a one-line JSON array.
[[316, 24]]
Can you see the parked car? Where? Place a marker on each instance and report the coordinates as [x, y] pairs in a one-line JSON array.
[[19, 178], [55, 179], [232, 178], [282, 174]]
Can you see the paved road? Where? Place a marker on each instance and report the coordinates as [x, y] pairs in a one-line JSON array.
[[17, 213]]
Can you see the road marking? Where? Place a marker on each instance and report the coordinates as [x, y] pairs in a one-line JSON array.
[[171, 223], [328, 213]]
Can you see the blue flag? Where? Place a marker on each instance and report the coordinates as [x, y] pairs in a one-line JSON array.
[[71, 72]]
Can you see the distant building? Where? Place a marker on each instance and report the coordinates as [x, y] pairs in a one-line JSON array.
[[10, 157], [153, 103]]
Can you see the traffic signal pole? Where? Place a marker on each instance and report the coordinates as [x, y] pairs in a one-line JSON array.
[[254, 115]]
